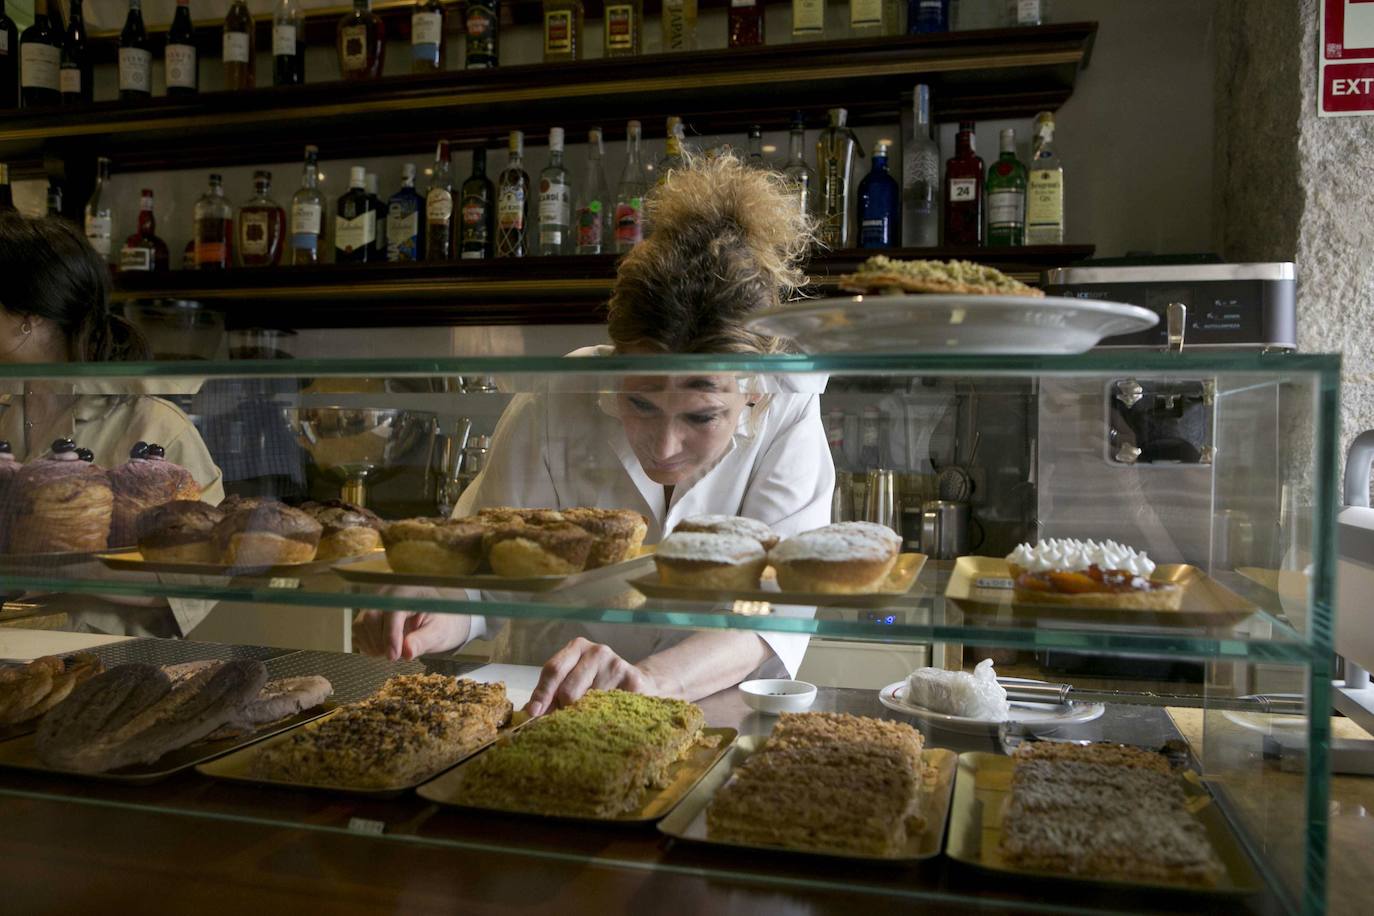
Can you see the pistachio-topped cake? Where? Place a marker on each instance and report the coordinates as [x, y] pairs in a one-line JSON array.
[[881, 274]]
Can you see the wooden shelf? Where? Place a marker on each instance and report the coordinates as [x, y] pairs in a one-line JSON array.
[[569, 290], [978, 74]]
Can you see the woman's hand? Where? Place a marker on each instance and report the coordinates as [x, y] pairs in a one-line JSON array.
[[580, 666], [408, 634]]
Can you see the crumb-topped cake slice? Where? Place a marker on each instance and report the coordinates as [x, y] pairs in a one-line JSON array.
[[881, 274]]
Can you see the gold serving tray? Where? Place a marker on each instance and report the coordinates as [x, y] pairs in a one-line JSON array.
[[688, 820], [975, 831], [19, 561], [375, 570], [132, 561], [1206, 603], [899, 584], [21, 754], [683, 775], [238, 767]]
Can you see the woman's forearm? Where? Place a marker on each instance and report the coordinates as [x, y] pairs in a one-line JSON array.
[[705, 663]]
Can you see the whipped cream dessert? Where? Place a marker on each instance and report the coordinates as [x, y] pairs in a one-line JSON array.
[[1073, 555]]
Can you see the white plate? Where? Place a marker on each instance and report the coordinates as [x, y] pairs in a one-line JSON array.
[[893, 696], [1267, 723], [947, 323]]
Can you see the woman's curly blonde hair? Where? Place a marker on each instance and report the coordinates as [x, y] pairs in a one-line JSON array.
[[727, 241]]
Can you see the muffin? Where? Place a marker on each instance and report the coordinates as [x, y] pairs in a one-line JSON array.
[[147, 479], [618, 532], [499, 516], [699, 559], [181, 531], [434, 546], [525, 549], [842, 559], [61, 503], [731, 524], [267, 534], [349, 530]]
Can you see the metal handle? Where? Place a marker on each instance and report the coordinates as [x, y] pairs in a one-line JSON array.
[[1357, 465], [1177, 316]]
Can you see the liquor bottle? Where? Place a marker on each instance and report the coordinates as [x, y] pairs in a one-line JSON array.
[[836, 149], [593, 200], [9, 61], [679, 25], [54, 202], [307, 213], [866, 18], [135, 57], [756, 160], [262, 225], [355, 223], [439, 207], [212, 228], [144, 251], [180, 59], [1025, 12], [99, 217], [629, 195], [555, 200], [513, 203], [237, 47], [880, 204], [926, 17], [921, 177], [40, 60], [288, 44], [746, 23], [964, 191], [6, 193], [562, 30], [801, 178], [808, 19], [483, 34], [479, 210], [1045, 187], [380, 208], [1005, 192], [673, 156], [427, 46], [405, 220], [624, 24], [75, 70], [362, 43], [188, 255]]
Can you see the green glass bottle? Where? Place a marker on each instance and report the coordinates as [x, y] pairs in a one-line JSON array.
[[1006, 195]]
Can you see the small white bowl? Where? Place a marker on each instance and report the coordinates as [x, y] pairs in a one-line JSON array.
[[774, 696]]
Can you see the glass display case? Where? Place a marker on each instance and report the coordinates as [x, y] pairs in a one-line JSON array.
[[1219, 466]]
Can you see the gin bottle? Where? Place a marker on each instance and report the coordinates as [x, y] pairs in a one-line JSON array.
[[555, 200], [879, 204], [921, 178], [1006, 195], [1045, 187], [405, 220], [964, 191], [593, 201]]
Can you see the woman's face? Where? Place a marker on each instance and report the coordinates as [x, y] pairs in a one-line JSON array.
[[679, 425]]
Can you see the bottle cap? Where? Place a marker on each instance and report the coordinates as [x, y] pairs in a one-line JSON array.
[[969, 126], [215, 179], [517, 142], [408, 172], [357, 176], [261, 175], [838, 116], [881, 147], [632, 129], [370, 179], [556, 139], [312, 152]]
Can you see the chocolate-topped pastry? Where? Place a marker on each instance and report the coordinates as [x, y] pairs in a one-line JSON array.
[[181, 531], [434, 546], [146, 480], [60, 503], [267, 534], [349, 530], [554, 549], [9, 469]]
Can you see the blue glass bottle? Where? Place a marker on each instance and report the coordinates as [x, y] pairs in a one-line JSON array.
[[926, 16], [880, 204], [405, 220]]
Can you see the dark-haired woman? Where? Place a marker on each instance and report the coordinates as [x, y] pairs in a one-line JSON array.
[[726, 243], [55, 308]]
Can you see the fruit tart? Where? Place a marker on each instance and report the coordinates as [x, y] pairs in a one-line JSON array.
[[1089, 574]]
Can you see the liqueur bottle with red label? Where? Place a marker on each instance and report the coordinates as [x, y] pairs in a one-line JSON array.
[[562, 30], [144, 251], [483, 34], [479, 210], [964, 191], [624, 27], [746, 23]]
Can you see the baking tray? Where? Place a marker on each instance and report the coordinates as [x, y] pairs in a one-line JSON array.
[[238, 767], [688, 820], [684, 775], [132, 561], [18, 561], [375, 570], [984, 785], [899, 584], [21, 754], [1206, 603]]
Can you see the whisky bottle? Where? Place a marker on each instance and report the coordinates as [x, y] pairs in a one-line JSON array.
[[378, 206], [355, 222], [1006, 195], [40, 58], [562, 30], [921, 177], [555, 200], [593, 200], [362, 43], [880, 204], [479, 210], [513, 202], [746, 23], [288, 44], [99, 217], [624, 26], [237, 47], [9, 61], [427, 46], [76, 69], [179, 57], [964, 190], [307, 213], [836, 149], [144, 251], [679, 25], [212, 228], [439, 207], [483, 38], [1045, 187], [405, 220], [801, 178], [262, 224]]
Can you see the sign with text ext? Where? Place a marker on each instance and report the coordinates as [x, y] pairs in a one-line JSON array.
[[1345, 64]]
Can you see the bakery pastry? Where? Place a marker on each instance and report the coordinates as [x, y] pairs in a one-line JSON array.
[[532, 549], [434, 546], [61, 503], [9, 470], [883, 275], [267, 534], [182, 531], [278, 700], [827, 782], [845, 558], [147, 479], [500, 516], [731, 524], [695, 559], [619, 533], [1103, 811], [349, 530], [1089, 574], [976, 695], [595, 758]]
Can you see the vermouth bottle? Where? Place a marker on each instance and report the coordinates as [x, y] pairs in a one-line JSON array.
[[555, 200], [179, 57], [288, 44], [479, 210], [76, 70], [307, 213], [355, 223], [513, 203], [593, 203], [439, 207]]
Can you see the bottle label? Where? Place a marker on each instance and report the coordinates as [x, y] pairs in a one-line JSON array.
[[352, 234], [481, 40], [808, 17], [555, 203], [354, 44], [135, 259], [743, 4], [253, 230], [426, 28], [865, 12], [438, 207], [629, 229], [875, 233], [510, 208], [620, 27], [678, 25], [135, 70], [38, 65], [235, 47], [181, 66], [1027, 12], [70, 79], [305, 220], [98, 227], [474, 224], [1004, 208], [590, 227], [402, 233], [963, 190], [284, 40], [1045, 199], [558, 32]]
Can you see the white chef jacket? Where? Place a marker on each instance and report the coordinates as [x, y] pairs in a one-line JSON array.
[[561, 449]]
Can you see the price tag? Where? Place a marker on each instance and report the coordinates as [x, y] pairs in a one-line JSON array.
[[992, 582], [366, 826]]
